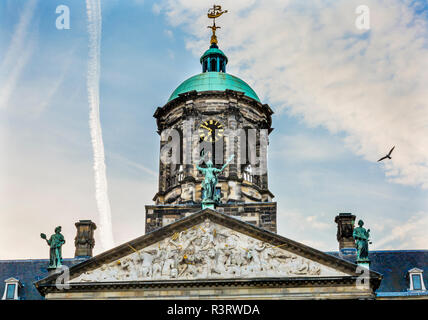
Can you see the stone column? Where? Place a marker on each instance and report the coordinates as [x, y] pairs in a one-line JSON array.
[[345, 229], [84, 240]]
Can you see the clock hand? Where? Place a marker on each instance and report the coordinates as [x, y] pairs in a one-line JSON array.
[[202, 126]]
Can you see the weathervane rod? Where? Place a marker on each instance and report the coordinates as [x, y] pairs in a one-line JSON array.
[[214, 13]]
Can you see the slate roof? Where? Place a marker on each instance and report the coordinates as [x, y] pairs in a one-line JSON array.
[[394, 265], [28, 271]]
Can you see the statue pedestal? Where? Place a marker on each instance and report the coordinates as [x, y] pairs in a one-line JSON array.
[[208, 205], [52, 270], [365, 264]]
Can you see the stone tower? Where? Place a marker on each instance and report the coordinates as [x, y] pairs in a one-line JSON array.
[[213, 115]]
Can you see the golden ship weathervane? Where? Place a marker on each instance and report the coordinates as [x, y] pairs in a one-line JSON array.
[[214, 13]]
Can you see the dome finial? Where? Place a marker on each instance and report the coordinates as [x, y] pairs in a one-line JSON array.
[[214, 13]]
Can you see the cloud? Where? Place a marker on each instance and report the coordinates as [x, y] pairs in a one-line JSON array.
[[306, 147], [17, 54], [300, 227], [134, 164], [308, 59], [169, 33], [56, 187], [411, 233], [156, 8]]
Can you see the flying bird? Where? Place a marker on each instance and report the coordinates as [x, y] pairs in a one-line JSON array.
[[388, 156]]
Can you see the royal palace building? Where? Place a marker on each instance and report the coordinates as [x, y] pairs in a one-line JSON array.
[[211, 231]]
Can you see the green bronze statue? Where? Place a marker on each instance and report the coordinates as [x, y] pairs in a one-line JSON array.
[[361, 236], [210, 181], [55, 243]]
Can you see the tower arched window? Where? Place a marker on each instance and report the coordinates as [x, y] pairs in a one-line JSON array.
[[248, 174], [213, 64], [180, 173]]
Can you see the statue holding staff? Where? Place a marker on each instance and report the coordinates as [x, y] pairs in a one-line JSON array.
[[211, 178], [55, 243]]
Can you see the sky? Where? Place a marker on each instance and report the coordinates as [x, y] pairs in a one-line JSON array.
[[342, 98]]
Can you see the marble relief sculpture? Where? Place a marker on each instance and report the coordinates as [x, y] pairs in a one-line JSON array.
[[206, 251]]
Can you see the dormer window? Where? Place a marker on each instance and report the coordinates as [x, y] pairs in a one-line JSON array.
[[11, 289], [416, 280]]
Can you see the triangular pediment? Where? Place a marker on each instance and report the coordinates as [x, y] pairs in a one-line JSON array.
[[208, 245], [207, 250]]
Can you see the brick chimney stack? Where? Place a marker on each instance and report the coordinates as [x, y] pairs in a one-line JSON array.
[[84, 240], [345, 229]]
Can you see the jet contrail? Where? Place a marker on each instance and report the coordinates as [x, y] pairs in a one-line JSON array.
[[93, 9]]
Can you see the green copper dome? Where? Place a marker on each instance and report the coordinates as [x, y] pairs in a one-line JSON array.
[[214, 76], [214, 81]]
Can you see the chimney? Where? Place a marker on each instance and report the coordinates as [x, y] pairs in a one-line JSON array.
[[345, 229], [84, 240]]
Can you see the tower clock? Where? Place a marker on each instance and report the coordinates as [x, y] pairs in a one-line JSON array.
[[211, 130]]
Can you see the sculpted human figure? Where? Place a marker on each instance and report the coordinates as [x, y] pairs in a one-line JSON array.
[[211, 262], [86, 277], [254, 250], [187, 193], [128, 268], [190, 269], [267, 259], [146, 267], [361, 236], [210, 180], [299, 266], [314, 270], [55, 243], [169, 263], [234, 263], [106, 273], [208, 235], [157, 264]]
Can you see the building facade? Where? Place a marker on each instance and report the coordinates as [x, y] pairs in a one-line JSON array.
[[231, 251]]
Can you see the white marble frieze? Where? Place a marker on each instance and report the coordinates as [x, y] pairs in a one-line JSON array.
[[207, 251]]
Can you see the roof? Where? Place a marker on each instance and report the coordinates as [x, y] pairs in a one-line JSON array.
[[28, 271], [214, 81], [394, 266]]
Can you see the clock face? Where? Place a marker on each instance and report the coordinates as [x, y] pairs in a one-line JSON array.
[[211, 130]]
